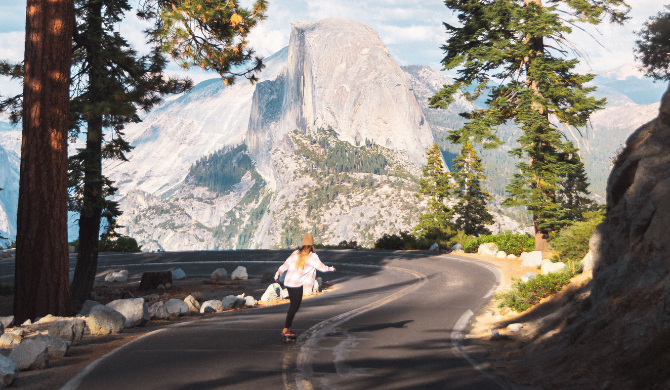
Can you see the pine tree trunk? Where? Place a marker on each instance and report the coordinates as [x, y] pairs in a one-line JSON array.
[[42, 259], [541, 237], [93, 199]]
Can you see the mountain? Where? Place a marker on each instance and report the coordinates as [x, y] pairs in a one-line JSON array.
[[10, 151], [629, 81], [330, 141]]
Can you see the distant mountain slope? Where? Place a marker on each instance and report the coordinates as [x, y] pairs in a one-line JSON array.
[[334, 132]]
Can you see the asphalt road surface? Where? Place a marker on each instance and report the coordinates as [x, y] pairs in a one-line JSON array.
[[392, 321]]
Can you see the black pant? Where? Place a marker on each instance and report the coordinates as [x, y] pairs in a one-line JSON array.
[[295, 296]]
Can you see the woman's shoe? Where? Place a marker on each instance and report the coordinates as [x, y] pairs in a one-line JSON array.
[[287, 334]]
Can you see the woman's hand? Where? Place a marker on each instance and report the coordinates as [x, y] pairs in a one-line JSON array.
[[334, 270], [276, 280]]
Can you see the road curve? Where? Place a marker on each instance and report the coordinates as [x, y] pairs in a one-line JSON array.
[[389, 323]]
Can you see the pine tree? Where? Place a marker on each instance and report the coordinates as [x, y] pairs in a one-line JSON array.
[[110, 83], [42, 262], [434, 185], [468, 175], [519, 43], [653, 47]]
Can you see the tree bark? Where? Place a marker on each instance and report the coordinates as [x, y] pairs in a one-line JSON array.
[[42, 269], [91, 212]]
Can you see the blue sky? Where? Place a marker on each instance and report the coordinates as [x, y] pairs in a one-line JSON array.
[[411, 29]]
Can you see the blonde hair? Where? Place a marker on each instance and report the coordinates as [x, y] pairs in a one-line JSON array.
[[303, 254]]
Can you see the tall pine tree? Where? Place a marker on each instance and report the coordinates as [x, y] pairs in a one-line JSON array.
[[434, 185], [512, 50], [653, 47], [470, 209], [110, 83]]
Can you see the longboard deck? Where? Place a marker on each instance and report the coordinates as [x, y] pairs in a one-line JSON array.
[[289, 338]]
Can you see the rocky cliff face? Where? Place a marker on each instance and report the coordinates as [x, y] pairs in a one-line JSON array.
[[335, 133], [338, 75], [632, 248]]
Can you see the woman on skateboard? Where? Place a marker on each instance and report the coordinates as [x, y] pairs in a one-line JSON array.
[[301, 266]]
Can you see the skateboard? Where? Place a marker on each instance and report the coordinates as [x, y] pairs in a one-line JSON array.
[[289, 339]]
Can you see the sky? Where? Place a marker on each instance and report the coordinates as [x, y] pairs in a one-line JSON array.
[[412, 30]]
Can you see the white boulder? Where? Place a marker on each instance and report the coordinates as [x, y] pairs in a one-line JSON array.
[[8, 369], [250, 301], [219, 274], [211, 306], [516, 327], [118, 276], [272, 293], [30, 355], [178, 274], [511, 256], [193, 304], [86, 309], [69, 330], [135, 310], [501, 254], [531, 259], [177, 307], [239, 273], [317, 287], [104, 320], [528, 276], [434, 247], [7, 322], [283, 294], [8, 340], [488, 249], [159, 311], [551, 268], [457, 248], [233, 302], [56, 346]]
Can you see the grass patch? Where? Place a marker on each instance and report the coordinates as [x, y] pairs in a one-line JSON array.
[[523, 296]]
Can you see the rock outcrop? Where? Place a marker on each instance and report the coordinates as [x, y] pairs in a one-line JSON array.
[[30, 355], [631, 248], [104, 320], [338, 74], [71, 330], [135, 311]]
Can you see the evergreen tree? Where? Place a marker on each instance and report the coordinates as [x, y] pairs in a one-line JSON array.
[[42, 262], [434, 185], [468, 174], [653, 47], [519, 43], [110, 82]]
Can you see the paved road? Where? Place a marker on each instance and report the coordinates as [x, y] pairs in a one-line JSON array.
[[388, 324]]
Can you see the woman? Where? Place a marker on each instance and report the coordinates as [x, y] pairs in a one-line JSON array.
[[301, 266]]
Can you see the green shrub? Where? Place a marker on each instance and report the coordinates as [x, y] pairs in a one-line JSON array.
[[403, 240], [508, 242], [342, 245], [119, 244], [523, 296], [572, 243]]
